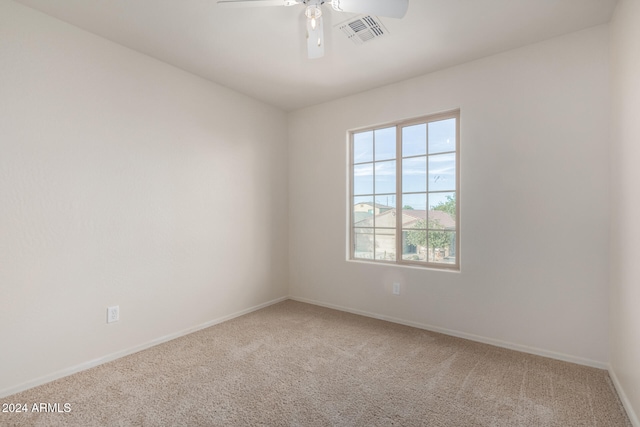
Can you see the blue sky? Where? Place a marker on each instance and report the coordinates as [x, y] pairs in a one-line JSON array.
[[414, 179]]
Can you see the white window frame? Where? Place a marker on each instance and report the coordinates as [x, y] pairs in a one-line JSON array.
[[455, 114]]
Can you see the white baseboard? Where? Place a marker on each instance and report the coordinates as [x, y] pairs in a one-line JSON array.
[[113, 356], [633, 417], [472, 337]]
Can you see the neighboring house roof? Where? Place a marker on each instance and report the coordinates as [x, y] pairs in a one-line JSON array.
[[415, 213], [409, 217], [443, 218]]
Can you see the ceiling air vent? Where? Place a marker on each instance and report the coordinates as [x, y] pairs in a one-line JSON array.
[[362, 29]]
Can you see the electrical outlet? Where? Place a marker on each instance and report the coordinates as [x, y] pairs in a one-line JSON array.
[[396, 288], [113, 314]]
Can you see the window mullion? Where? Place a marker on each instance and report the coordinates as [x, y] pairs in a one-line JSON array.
[[374, 197], [426, 213], [352, 239], [399, 194]]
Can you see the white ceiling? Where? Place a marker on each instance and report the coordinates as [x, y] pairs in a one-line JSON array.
[[261, 51]]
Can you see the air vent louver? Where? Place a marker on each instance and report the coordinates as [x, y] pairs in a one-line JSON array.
[[362, 29]]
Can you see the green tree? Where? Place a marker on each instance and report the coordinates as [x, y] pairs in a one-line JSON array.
[[418, 237], [407, 207], [449, 206]]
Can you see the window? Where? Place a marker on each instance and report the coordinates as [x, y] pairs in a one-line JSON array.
[[404, 192]]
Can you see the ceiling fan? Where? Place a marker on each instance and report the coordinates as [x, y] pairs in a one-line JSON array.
[[313, 12]]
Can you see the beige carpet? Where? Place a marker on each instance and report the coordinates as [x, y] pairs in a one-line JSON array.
[[295, 364]]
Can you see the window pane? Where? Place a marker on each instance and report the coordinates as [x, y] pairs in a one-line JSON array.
[[385, 203], [385, 247], [363, 243], [443, 201], [414, 219], [414, 140], [414, 244], [414, 175], [442, 136], [386, 177], [442, 210], [386, 218], [363, 147], [442, 172], [441, 245], [414, 201], [363, 179], [385, 142], [363, 211]]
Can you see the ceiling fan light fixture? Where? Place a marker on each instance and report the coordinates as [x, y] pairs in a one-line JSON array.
[[315, 31], [313, 14]]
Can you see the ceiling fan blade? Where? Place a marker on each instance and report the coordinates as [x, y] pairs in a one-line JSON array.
[[315, 39], [256, 3], [389, 8]]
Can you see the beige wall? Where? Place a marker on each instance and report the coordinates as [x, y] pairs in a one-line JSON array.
[[125, 181], [534, 201], [625, 192]]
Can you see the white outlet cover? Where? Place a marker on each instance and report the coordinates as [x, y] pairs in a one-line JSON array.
[[113, 314], [396, 288]]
